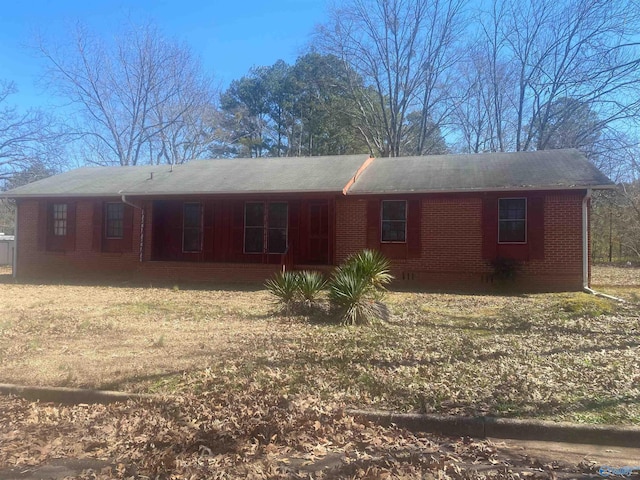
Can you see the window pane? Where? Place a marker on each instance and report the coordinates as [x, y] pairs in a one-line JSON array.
[[512, 220], [254, 214], [512, 209], [394, 220], [394, 210], [512, 231], [393, 231], [192, 215], [278, 215], [277, 240], [60, 219], [253, 239], [192, 240], [114, 220]]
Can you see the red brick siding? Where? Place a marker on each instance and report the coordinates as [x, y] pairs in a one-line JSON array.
[[351, 227], [450, 245]]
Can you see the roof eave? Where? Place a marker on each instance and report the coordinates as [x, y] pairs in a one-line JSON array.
[[171, 194], [492, 190]]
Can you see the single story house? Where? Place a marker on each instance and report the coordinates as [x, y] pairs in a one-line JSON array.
[[445, 221]]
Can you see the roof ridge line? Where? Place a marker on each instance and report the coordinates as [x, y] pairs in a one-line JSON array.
[[361, 169]]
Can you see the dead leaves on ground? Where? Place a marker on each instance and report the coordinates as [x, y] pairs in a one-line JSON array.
[[252, 434]]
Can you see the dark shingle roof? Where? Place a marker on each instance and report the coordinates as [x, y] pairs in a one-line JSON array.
[[549, 169], [552, 169], [240, 175]]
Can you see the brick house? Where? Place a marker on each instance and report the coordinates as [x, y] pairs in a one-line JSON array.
[[443, 220]]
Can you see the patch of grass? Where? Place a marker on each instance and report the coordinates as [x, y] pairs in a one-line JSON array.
[[586, 305]]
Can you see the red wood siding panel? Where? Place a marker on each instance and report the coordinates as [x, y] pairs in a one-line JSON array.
[[43, 213], [96, 226], [70, 238], [208, 231], [127, 229]]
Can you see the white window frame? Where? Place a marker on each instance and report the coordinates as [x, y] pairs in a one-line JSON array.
[[382, 220], [526, 220]]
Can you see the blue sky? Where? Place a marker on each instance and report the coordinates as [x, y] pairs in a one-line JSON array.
[[230, 37]]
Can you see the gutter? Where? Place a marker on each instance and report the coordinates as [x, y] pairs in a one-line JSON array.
[[126, 202]]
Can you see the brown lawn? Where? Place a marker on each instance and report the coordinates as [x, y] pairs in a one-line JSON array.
[[261, 395], [563, 356]]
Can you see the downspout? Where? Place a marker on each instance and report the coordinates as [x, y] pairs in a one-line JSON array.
[[585, 239], [585, 251], [14, 272], [126, 202]]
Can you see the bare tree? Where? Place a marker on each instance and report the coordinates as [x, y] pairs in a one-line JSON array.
[[560, 55], [139, 98], [403, 49], [29, 140]]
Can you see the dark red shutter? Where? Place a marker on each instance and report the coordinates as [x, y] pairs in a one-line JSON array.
[[297, 230], [373, 224], [414, 219], [127, 228], [237, 229], [96, 245], [489, 227], [208, 208], [535, 228], [70, 240], [43, 231]]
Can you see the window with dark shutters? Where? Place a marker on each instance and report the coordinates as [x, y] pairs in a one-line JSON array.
[[512, 220], [394, 221]]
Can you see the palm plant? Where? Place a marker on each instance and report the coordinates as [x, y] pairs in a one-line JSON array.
[[284, 286], [371, 265], [357, 287], [310, 284]]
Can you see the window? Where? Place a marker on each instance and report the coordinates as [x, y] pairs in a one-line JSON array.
[[59, 219], [265, 227], [394, 221], [512, 220], [114, 220], [192, 227]]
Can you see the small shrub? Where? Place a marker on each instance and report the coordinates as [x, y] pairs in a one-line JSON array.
[[354, 296], [284, 286], [371, 265], [310, 284], [356, 288]]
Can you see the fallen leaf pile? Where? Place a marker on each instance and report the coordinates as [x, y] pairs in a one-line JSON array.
[[253, 434]]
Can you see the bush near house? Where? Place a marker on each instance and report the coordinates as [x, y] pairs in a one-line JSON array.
[[356, 289]]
